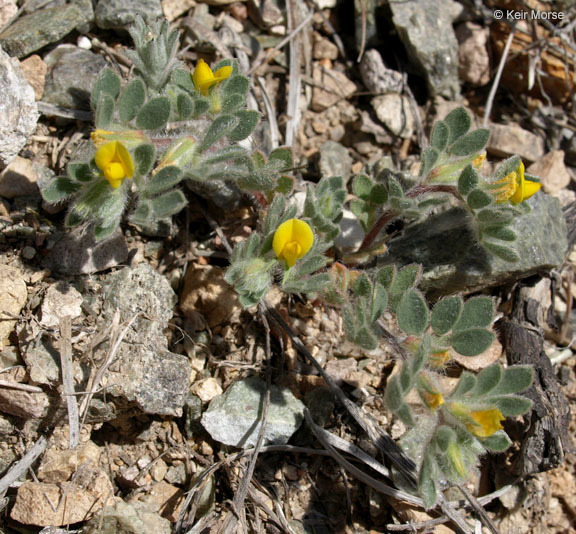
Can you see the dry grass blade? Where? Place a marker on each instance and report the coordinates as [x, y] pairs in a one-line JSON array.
[[496, 81], [20, 467], [325, 438], [270, 114], [94, 382], [68, 380], [21, 387]]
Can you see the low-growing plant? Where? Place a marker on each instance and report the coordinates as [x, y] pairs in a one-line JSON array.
[[165, 125]]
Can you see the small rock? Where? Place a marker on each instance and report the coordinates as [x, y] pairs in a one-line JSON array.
[[205, 291], [163, 498], [225, 195], [176, 474], [324, 48], [8, 9], [82, 498], [155, 381], [330, 86], [84, 43], [34, 69], [72, 72], [509, 139], [19, 178], [158, 470], [143, 293], [341, 369], [377, 77], [24, 404], [335, 160], [59, 466], [234, 417], [216, 2], [206, 389], [395, 112], [77, 252], [17, 108], [28, 253], [351, 233], [119, 15], [473, 56], [118, 516], [551, 169], [325, 4], [36, 30], [60, 300], [425, 28], [266, 13], [446, 247], [173, 9], [13, 295]]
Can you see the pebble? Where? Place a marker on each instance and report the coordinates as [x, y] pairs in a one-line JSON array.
[[395, 112], [233, 418], [473, 56], [509, 139], [28, 252], [330, 86], [60, 300], [72, 72], [34, 68], [36, 30]]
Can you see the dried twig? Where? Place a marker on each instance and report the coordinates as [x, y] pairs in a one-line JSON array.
[[65, 113], [20, 467], [22, 387], [68, 380], [496, 81]]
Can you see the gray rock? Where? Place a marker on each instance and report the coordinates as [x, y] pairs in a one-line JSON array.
[[473, 55], [234, 417], [377, 77], [17, 108], [143, 292], [444, 244], [36, 30], [225, 195], [425, 27], [118, 516], [335, 160], [77, 252], [147, 374], [120, 15], [155, 381], [72, 72]]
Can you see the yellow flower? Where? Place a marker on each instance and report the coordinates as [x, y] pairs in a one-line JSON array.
[[479, 161], [115, 162], [293, 240], [439, 359], [514, 187], [432, 400], [204, 78], [485, 422]]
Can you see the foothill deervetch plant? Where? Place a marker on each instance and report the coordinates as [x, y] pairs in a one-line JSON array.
[[166, 124]]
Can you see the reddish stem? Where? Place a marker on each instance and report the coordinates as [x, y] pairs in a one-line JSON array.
[[416, 191]]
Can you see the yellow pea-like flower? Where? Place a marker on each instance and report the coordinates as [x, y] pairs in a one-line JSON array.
[[293, 240], [485, 422], [514, 187], [204, 78], [115, 162]]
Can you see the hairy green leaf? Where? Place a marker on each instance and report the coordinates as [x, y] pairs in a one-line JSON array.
[[512, 406], [60, 189], [412, 313], [471, 144], [468, 180], [458, 122], [478, 312], [154, 114], [478, 199], [247, 121], [506, 253], [445, 314], [163, 180], [131, 100], [168, 204], [222, 125], [144, 158], [472, 342], [498, 442], [516, 379]]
